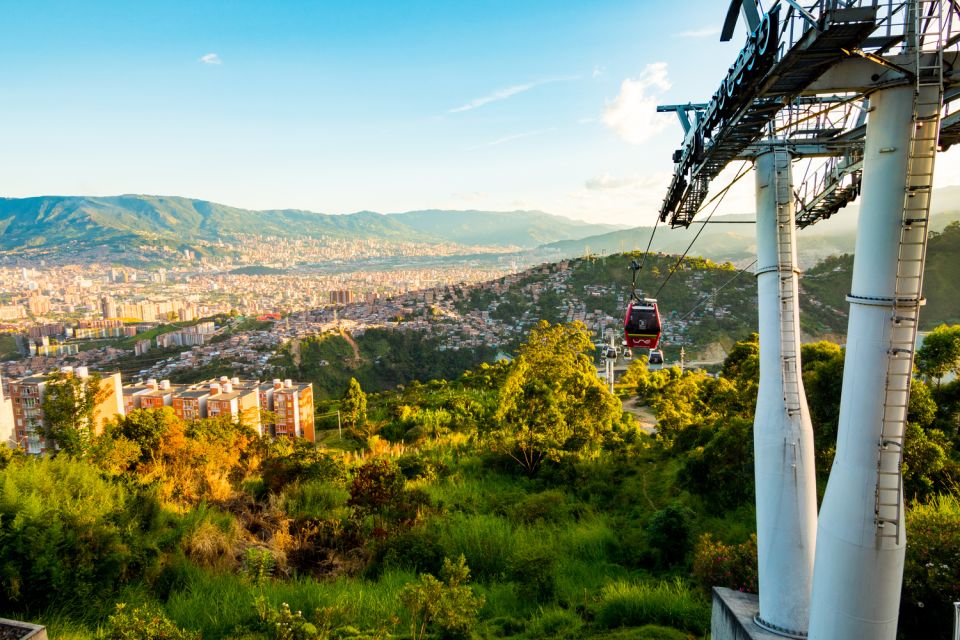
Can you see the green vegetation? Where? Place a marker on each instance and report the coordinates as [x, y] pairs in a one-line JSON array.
[[387, 359], [422, 524], [8, 347], [51, 221], [829, 283]]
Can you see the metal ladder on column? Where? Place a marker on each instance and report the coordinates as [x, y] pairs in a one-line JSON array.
[[786, 272], [904, 319]]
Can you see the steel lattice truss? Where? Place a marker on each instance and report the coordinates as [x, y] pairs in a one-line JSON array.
[[804, 77]]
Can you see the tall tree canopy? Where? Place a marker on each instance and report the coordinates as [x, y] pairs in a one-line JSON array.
[[552, 400], [940, 352]]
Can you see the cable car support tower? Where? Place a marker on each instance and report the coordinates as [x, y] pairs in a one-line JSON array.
[[863, 92]]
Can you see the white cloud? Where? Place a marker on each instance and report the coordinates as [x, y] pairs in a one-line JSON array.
[[210, 58], [503, 94], [633, 113], [607, 182], [515, 136], [706, 32], [597, 71]]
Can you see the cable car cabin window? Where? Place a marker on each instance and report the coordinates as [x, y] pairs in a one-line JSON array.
[[656, 357], [641, 327]]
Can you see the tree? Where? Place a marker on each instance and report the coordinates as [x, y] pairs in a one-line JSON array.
[[940, 352], [552, 401], [353, 406], [69, 403]]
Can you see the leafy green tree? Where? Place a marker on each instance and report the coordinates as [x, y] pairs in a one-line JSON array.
[[822, 381], [552, 401], [448, 605], [146, 428], [940, 352], [69, 403], [924, 461], [353, 406]]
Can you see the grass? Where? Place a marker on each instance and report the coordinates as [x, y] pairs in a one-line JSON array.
[[632, 604], [216, 604]]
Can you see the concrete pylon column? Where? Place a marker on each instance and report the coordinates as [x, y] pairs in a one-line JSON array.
[[782, 432], [858, 573]]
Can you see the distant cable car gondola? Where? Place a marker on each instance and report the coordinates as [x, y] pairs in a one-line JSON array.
[[656, 357]]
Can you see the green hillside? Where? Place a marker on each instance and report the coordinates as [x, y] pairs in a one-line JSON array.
[[56, 221], [829, 283]]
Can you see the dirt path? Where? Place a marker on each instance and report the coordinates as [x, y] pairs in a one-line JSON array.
[[643, 414], [353, 343]]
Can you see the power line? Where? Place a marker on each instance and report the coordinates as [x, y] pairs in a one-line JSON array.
[[715, 293], [643, 260], [719, 198]]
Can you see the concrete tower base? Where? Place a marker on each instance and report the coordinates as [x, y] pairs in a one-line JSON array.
[[733, 617]]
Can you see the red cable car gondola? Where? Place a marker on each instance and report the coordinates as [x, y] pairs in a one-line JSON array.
[[641, 327]]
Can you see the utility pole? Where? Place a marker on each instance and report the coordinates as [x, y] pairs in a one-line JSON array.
[[682, 353]]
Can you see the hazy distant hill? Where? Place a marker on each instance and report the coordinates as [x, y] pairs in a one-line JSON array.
[[738, 241], [57, 220], [501, 228]]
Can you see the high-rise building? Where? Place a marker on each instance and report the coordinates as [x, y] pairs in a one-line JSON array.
[[341, 296], [108, 307]]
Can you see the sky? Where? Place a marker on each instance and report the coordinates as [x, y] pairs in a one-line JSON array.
[[345, 106]]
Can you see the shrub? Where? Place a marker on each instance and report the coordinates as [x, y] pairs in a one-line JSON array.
[[67, 536], [143, 623], [719, 565], [547, 506], [534, 569], [376, 486], [282, 623], [931, 577], [450, 605], [629, 604], [417, 549], [668, 534], [722, 469]]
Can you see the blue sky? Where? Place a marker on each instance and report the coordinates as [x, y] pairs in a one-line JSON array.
[[343, 106]]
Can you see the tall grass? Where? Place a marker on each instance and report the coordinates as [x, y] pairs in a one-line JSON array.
[[632, 604], [218, 604], [318, 499], [486, 541]]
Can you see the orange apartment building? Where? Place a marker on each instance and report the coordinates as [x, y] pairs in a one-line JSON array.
[[26, 396], [241, 400], [293, 406], [235, 398]]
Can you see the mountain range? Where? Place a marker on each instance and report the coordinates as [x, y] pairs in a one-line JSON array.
[[77, 223], [50, 221]]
